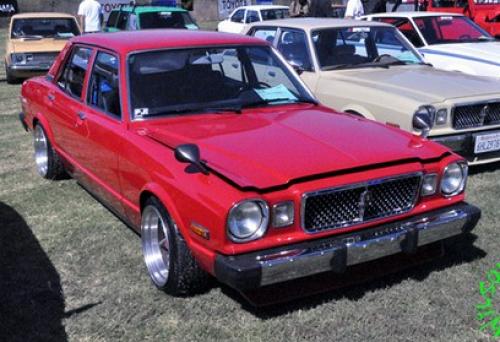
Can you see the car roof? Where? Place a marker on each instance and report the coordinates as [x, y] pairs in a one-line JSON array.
[[317, 23], [150, 9], [262, 7], [42, 15], [413, 14], [125, 42]]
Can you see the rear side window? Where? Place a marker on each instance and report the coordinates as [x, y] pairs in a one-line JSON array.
[[104, 92], [153, 20], [238, 16], [252, 17], [113, 16], [266, 34], [73, 75]]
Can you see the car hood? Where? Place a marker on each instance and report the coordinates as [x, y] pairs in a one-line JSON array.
[[38, 45], [483, 52], [421, 83], [272, 147]]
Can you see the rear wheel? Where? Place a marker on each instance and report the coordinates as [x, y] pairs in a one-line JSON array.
[[170, 264], [48, 163]]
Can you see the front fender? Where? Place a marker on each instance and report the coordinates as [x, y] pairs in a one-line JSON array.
[[358, 109]]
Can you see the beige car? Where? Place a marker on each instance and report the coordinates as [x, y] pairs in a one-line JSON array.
[[370, 69], [34, 41]]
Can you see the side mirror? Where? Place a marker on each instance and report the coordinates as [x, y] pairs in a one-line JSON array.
[[422, 122], [296, 66], [190, 154]]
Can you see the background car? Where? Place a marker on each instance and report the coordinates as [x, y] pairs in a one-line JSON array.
[[370, 69], [448, 41], [149, 17], [34, 41], [211, 147], [485, 13], [238, 21]]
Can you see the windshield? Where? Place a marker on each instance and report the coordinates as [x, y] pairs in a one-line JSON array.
[[352, 47], [271, 14], [154, 20], [450, 29], [44, 28], [196, 80]]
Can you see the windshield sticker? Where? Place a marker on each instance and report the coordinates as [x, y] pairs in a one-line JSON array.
[[138, 112], [360, 29], [446, 18], [276, 93]]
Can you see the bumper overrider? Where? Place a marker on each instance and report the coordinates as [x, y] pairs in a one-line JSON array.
[[266, 267]]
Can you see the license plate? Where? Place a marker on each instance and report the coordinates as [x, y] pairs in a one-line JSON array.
[[487, 143]]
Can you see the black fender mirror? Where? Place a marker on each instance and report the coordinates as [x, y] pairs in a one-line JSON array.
[[422, 122], [190, 154]]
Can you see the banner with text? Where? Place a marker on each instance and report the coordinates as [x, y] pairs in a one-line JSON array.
[[109, 5], [228, 6]]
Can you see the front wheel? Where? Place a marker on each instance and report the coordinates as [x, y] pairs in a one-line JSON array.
[[48, 163], [170, 264], [9, 77]]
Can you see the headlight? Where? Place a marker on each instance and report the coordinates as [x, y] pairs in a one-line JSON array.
[[423, 119], [248, 220], [441, 116], [18, 58], [454, 179]]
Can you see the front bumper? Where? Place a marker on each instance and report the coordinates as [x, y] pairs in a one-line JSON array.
[[253, 270], [25, 71], [463, 144]]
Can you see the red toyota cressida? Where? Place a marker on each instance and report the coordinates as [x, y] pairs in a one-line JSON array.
[[211, 147]]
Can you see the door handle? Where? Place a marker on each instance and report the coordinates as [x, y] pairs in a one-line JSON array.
[[81, 115]]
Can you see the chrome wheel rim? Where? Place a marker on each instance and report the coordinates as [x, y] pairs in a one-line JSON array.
[[155, 245], [41, 151]]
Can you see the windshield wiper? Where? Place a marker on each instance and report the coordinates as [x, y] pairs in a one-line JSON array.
[[285, 100], [34, 37], [200, 110], [338, 66]]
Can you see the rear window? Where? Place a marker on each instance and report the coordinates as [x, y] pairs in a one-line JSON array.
[[44, 28], [153, 20], [274, 14]]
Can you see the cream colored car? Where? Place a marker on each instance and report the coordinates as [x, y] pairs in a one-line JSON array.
[[34, 41], [370, 69]]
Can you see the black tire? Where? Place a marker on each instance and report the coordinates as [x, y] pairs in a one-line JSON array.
[[9, 77], [185, 277], [54, 168]]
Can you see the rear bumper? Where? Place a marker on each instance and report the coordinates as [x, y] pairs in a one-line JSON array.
[[336, 253], [463, 144]]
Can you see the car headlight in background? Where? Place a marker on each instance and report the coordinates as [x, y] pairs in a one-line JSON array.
[[423, 119], [441, 116], [248, 220], [19, 58], [454, 179]]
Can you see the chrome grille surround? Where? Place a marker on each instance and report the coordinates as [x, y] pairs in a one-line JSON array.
[[389, 196], [477, 114]]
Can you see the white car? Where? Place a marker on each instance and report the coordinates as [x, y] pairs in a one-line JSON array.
[[448, 41], [242, 16]]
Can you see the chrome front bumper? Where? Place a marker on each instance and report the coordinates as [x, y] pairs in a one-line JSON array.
[[336, 253]]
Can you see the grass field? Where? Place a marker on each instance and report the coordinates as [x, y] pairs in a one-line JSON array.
[[69, 270]]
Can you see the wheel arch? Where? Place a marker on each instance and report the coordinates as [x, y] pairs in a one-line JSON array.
[[358, 110]]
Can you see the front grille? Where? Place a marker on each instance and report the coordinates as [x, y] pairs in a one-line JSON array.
[[45, 58], [359, 203], [476, 115]]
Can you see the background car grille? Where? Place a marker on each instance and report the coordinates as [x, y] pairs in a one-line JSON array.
[[342, 207], [476, 115], [44, 58]]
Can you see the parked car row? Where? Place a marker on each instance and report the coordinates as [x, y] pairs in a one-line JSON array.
[[304, 146]]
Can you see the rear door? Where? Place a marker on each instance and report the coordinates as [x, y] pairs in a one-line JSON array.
[[65, 101]]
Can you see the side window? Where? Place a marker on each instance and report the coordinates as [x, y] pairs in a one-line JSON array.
[[104, 92], [293, 46], [267, 34], [406, 27], [122, 20], [113, 16], [238, 16], [252, 17], [73, 75]]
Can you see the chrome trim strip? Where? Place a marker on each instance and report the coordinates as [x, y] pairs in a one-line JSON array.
[[353, 186]]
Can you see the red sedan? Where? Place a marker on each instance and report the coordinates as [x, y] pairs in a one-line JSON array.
[[211, 147]]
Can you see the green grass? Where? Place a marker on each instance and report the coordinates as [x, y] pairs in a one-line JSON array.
[[69, 270]]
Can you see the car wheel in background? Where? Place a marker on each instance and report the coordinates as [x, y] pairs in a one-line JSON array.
[[8, 76], [48, 163], [170, 264]]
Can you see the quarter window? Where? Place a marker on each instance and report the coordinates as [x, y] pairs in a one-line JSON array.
[[104, 84], [238, 16], [73, 76]]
